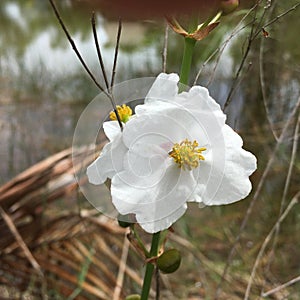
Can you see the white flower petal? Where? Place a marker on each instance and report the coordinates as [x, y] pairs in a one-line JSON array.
[[111, 129], [147, 182], [163, 223], [198, 101], [164, 88], [230, 182], [146, 161], [155, 128], [158, 205], [153, 106], [109, 162]]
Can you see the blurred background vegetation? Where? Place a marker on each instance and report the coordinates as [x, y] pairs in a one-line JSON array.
[[43, 90]]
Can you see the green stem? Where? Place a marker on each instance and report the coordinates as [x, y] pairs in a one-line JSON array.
[[150, 267], [189, 45]]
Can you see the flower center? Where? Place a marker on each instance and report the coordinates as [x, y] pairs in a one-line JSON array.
[[187, 154], [124, 112]]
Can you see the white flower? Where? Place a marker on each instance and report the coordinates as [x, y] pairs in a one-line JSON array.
[[175, 149]]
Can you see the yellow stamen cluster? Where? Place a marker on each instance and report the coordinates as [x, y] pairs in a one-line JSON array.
[[124, 113], [187, 154]]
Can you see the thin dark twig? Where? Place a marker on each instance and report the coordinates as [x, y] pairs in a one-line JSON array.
[[281, 15], [262, 249], [241, 78], [104, 72], [113, 74], [253, 35], [219, 50], [283, 286], [83, 62], [239, 27], [262, 81], [291, 165], [284, 196], [74, 46], [259, 24], [165, 49], [249, 44], [259, 28], [99, 50], [293, 155], [219, 57]]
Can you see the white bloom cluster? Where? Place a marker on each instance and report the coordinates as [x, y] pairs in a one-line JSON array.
[[175, 149]]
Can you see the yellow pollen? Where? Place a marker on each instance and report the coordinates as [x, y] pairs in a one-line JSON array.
[[124, 112], [187, 154]]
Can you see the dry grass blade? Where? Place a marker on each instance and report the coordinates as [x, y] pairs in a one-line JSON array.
[[257, 193], [278, 288], [120, 278], [59, 242], [293, 202], [20, 241]]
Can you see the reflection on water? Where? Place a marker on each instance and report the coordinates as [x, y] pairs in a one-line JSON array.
[[44, 88], [42, 82], [29, 132]]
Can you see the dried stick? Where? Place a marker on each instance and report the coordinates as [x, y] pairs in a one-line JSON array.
[[83, 62], [281, 15], [285, 190], [256, 194], [253, 35], [262, 85], [113, 73], [219, 50], [280, 287], [293, 202], [259, 28], [247, 51], [261, 70], [93, 21], [291, 165], [222, 47], [109, 88], [165, 49], [74, 46], [122, 267], [13, 229]]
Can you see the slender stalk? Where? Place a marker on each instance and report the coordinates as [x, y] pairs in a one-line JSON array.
[[139, 241], [74, 46], [113, 73], [150, 267], [93, 20], [71, 41], [189, 45]]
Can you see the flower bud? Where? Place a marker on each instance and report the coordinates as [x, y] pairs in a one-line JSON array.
[[169, 261], [133, 297], [228, 6]]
